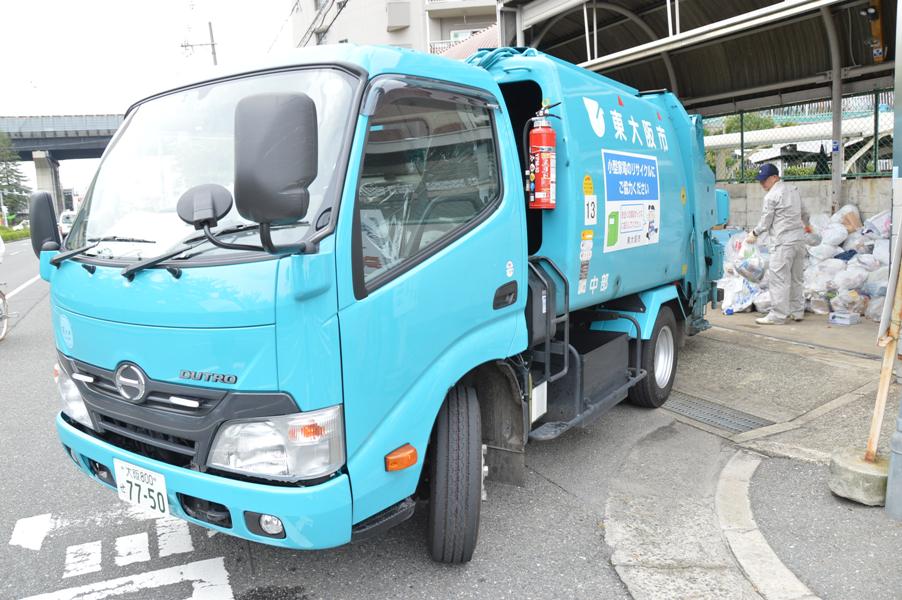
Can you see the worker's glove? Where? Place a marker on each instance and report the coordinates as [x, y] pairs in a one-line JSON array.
[[751, 238]]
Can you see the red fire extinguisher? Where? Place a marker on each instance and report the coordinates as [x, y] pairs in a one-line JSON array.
[[540, 176]]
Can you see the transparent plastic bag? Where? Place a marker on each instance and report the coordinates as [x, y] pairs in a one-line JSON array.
[[813, 238], [880, 225], [763, 302], [849, 301], [875, 308], [876, 283], [868, 262], [818, 304]]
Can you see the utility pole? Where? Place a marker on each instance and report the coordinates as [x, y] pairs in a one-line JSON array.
[[189, 47]]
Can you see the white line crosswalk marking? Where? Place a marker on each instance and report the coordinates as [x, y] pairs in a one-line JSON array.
[[173, 536], [209, 581], [82, 558], [131, 549]]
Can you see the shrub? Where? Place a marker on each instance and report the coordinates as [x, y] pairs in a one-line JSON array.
[[9, 235]]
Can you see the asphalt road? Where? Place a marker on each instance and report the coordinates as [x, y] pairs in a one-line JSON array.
[[542, 541], [19, 281]]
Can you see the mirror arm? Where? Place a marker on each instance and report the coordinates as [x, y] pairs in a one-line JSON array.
[[217, 242]]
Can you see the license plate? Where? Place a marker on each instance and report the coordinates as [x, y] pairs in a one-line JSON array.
[[141, 487]]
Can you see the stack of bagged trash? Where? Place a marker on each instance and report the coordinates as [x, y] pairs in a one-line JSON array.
[[845, 275]]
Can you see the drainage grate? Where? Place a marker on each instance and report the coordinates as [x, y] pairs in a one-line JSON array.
[[711, 413]]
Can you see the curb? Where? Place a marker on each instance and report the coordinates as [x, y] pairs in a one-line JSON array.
[[758, 561]]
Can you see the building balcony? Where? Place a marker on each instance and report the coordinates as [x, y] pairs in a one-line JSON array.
[[439, 9]]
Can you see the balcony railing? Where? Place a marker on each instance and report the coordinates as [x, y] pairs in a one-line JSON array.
[[440, 46]]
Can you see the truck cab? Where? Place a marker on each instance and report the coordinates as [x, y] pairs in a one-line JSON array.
[[301, 298]]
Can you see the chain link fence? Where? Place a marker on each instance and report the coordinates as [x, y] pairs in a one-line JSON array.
[[797, 138]]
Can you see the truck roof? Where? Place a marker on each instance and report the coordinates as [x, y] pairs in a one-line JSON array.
[[368, 60]]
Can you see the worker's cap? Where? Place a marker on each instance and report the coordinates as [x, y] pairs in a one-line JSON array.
[[765, 171]]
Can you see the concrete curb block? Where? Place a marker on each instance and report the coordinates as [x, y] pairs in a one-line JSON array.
[[761, 566]]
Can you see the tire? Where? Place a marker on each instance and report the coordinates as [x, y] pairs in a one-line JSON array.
[[455, 478], [659, 359]]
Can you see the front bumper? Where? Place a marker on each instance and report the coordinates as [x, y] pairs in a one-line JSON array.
[[314, 517]]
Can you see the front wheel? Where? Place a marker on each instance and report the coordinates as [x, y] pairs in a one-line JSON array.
[[455, 477], [659, 359]]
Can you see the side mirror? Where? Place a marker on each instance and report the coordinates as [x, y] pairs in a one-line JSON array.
[[42, 217], [204, 205], [275, 156]]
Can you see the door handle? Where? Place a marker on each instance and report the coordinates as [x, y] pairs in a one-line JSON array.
[[505, 295]]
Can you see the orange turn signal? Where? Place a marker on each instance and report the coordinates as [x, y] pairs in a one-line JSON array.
[[401, 458]]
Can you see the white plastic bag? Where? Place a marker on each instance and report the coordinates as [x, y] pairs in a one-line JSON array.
[[875, 308], [881, 251], [813, 238], [868, 262], [849, 217], [880, 225], [850, 279], [834, 234], [819, 221], [852, 241], [823, 252], [831, 266], [737, 294]]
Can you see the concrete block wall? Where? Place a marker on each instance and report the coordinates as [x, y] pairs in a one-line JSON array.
[[871, 196]]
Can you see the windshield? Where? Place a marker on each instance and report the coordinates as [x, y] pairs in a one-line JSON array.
[[180, 140]]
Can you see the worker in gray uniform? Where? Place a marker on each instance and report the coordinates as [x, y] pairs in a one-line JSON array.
[[782, 218]]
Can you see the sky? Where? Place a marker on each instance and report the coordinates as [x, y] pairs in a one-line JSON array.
[[99, 56]]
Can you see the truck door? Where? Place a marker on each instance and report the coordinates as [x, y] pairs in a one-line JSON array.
[[437, 249]]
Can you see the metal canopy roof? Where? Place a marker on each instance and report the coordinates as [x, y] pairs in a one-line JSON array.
[[778, 61]]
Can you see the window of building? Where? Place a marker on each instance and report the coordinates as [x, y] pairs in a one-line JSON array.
[[430, 169]]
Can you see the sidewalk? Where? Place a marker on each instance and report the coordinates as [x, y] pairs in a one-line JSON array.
[[746, 512]]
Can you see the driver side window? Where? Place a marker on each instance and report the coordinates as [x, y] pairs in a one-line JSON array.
[[430, 168]]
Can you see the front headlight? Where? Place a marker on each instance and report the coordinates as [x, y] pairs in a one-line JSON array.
[[73, 404], [288, 447]]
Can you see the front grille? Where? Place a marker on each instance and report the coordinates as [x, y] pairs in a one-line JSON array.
[[160, 446], [189, 403]]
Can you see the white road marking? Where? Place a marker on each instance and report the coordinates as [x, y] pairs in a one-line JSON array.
[[132, 548], [173, 536], [16, 252], [22, 287], [209, 579], [31, 531], [82, 559]]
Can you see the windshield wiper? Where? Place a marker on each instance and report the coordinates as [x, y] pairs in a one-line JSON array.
[[119, 238], [56, 260]]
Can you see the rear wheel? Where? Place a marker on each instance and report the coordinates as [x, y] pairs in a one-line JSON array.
[[659, 359], [455, 478]]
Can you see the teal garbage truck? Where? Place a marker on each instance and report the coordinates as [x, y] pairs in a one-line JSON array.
[[303, 298]]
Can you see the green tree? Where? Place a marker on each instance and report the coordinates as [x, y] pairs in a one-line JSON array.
[[12, 181], [751, 122]]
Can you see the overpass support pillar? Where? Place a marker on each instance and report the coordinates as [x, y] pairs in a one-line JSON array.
[[48, 176]]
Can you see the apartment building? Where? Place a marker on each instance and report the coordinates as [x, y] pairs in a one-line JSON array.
[[425, 25]]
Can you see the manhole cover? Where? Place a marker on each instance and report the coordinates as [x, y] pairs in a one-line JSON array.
[[714, 414]]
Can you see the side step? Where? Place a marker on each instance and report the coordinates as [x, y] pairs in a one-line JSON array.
[[549, 431], [388, 518]]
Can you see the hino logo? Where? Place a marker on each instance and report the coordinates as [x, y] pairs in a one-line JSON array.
[[131, 382], [203, 376]]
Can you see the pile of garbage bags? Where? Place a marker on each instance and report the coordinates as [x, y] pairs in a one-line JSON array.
[[846, 270]]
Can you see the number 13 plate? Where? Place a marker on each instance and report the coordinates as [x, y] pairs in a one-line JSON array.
[[141, 487]]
